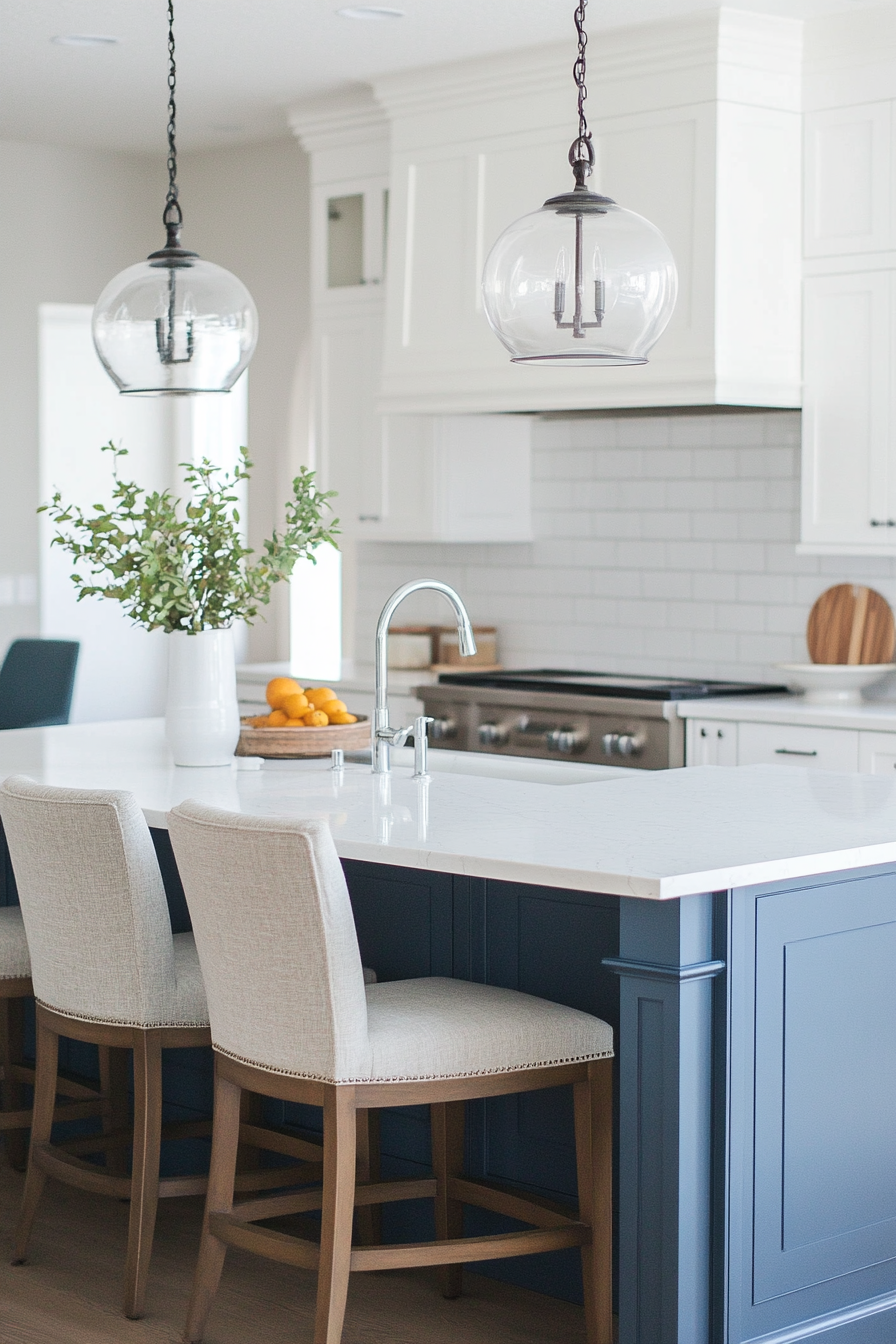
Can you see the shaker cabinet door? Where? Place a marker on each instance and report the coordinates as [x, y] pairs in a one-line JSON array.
[[711, 742], [848, 180], [348, 345], [848, 478]]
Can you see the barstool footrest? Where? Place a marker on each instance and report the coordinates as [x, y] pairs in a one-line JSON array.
[[461, 1250], [265, 1241], [62, 1166]]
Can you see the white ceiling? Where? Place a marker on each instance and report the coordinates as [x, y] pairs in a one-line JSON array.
[[240, 62]]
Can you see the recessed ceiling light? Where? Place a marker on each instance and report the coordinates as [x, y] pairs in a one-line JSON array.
[[369, 12], [85, 40]]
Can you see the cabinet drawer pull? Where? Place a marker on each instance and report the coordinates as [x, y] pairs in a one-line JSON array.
[[883, 522], [786, 751]]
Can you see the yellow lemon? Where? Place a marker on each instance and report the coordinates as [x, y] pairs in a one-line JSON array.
[[319, 695], [315, 718], [277, 719], [279, 688], [334, 707], [343, 718], [294, 705]]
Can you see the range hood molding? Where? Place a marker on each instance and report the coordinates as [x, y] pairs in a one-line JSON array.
[[697, 125]]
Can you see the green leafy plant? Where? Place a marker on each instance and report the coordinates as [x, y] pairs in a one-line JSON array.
[[183, 565]]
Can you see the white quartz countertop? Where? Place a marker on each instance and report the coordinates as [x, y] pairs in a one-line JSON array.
[[657, 835], [873, 716]]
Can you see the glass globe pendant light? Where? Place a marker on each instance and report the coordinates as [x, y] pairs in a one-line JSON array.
[[580, 281], [174, 324]]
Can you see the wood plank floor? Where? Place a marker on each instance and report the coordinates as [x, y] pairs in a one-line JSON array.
[[69, 1292]]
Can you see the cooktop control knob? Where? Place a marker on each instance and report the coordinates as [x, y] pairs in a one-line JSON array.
[[439, 729], [622, 744], [493, 734], [566, 740]]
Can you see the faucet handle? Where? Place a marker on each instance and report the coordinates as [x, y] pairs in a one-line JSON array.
[[421, 746], [396, 737]]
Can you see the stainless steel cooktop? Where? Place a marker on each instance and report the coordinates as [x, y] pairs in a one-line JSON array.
[[605, 718], [614, 684]]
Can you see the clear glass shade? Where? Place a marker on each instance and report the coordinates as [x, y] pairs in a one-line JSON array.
[[186, 327], [580, 281]]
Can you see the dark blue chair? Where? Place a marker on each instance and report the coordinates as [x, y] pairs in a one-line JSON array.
[[36, 682]]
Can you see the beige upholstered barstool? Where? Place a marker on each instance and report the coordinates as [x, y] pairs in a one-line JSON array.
[[15, 989], [291, 1019], [107, 970]]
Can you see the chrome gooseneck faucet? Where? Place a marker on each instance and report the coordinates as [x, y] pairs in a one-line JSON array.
[[383, 736]]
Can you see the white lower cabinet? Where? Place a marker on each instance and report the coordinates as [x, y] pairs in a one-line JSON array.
[[794, 744], [726, 742], [711, 742], [877, 753]]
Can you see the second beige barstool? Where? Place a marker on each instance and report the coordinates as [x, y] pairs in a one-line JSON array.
[[106, 969], [18, 1074], [290, 1019]]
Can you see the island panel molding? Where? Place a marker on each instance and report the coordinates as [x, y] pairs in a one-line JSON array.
[[812, 1227]]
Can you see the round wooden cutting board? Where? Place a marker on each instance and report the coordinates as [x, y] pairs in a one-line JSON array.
[[281, 744], [851, 624]]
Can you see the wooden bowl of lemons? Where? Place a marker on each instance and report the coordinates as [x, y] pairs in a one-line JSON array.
[[303, 721]]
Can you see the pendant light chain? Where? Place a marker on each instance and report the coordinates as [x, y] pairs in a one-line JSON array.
[[581, 152], [172, 217]]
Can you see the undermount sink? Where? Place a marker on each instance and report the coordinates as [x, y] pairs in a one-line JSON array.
[[520, 768]]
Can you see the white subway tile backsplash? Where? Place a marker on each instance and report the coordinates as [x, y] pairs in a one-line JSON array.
[[663, 544]]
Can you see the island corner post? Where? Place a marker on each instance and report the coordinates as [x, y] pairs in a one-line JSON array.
[[756, 1050]]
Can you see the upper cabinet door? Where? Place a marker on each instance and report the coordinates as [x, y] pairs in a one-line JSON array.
[[848, 176], [450, 204], [847, 418]]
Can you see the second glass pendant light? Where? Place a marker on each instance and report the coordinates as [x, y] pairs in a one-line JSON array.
[[580, 281]]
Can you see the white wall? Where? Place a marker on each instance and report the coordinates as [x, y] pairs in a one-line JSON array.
[[247, 209], [122, 669], [664, 544], [77, 217], [71, 219]]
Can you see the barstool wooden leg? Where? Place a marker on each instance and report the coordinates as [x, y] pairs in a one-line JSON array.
[[145, 1167], [367, 1217], [41, 1131], [336, 1213], [594, 1162], [225, 1143], [11, 1051], [114, 1086], [447, 1120]]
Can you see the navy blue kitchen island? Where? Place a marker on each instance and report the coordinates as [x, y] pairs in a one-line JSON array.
[[752, 991]]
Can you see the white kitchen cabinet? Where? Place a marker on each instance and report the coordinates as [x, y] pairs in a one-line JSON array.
[[848, 180], [695, 122], [877, 753], [398, 477], [711, 742], [849, 420], [849, 426], [797, 744]]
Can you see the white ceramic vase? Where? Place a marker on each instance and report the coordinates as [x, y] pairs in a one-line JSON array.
[[202, 719]]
